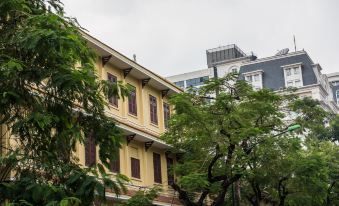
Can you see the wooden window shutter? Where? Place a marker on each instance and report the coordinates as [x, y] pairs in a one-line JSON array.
[[132, 102], [90, 151], [115, 164], [153, 109], [170, 176], [113, 100], [157, 168], [135, 167]]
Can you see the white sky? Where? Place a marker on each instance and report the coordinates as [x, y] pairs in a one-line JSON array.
[[172, 36]]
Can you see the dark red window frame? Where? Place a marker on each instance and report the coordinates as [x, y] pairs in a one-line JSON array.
[[153, 109], [167, 114], [115, 164], [135, 168], [132, 102], [90, 151], [157, 167], [170, 175], [113, 100]]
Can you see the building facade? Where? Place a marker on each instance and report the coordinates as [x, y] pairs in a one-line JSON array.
[[278, 72], [142, 116], [220, 61], [295, 69], [333, 78]]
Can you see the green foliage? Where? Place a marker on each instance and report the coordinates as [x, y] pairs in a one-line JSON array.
[[240, 136], [52, 99], [217, 135]]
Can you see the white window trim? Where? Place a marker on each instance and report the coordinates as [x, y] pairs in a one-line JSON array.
[[289, 66], [252, 73]]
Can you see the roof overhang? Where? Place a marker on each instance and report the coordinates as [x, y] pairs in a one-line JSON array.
[[122, 62]]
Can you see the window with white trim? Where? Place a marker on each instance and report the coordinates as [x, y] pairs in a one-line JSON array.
[[335, 83], [233, 69], [337, 96], [255, 79], [293, 76]]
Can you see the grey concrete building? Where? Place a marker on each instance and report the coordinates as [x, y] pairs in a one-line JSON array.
[[277, 72]]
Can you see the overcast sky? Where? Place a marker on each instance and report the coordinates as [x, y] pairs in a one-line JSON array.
[[171, 36]]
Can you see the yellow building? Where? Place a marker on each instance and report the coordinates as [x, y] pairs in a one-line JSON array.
[[142, 117]]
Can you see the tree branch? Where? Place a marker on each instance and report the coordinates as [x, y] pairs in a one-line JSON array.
[[183, 195]]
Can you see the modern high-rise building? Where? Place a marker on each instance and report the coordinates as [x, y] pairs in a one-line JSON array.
[[142, 116], [278, 72]]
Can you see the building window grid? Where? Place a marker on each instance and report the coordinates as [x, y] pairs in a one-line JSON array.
[[153, 109], [180, 84], [293, 77], [196, 81], [337, 96], [255, 79], [113, 100], [132, 102]]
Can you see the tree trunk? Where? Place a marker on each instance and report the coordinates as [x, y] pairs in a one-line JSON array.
[[328, 198], [237, 192], [282, 200]]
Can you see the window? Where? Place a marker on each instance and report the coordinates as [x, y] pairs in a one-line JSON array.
[[288, 72], [335, 83], [135, 168], [297, 83], [255, 79], [135, 162], [248, 79], [180, 84], [289, 83], [132, 102], [153, 109], [293, 76], [113, 100], [233, 69], [115, 164], [337, 96], [170, 176], [90, 151], [196, 81], [157, 168], [167, 114]]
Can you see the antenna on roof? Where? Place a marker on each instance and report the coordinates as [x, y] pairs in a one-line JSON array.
[[295, 44], [135, 57]]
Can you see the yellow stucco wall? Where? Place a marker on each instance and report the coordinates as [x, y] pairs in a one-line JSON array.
[[142, 121]]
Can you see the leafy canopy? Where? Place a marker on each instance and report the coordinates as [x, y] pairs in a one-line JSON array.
[[51, 99]]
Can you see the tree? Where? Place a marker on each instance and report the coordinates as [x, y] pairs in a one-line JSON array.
[[51, 99], [240, 136], [217, 135], [279, 166]]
